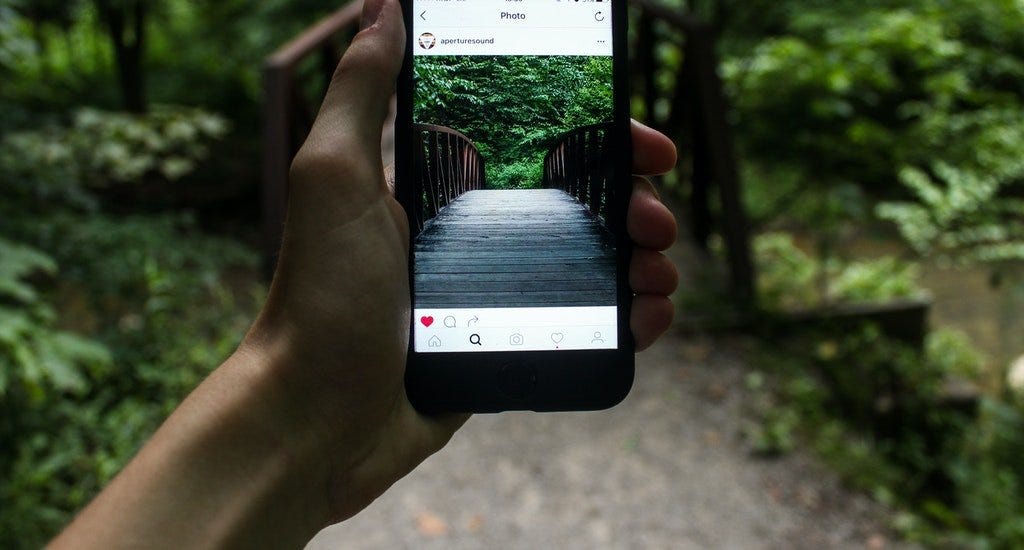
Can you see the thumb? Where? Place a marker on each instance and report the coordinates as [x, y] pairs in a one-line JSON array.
[[357, 103]]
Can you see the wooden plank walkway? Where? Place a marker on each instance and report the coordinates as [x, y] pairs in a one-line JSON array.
[[514, 248]]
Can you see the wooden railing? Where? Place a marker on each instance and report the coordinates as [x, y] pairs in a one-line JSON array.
[[693, 112], [446, 164], [581, 164], [295, 79]]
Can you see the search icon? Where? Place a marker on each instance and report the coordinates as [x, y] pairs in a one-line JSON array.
[[475, 340]]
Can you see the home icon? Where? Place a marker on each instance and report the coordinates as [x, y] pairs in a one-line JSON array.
[[434, 342]]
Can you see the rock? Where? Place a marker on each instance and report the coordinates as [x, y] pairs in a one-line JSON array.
[[475, 523], [877, 542], [431, 525]]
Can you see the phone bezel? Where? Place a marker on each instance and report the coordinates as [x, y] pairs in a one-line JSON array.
[[564, 380]]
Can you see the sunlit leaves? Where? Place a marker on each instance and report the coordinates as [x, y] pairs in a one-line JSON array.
[[959, 215], [100, 149], [792, 279]]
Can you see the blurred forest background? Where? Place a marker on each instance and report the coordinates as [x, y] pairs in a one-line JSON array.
[[513, 108], [881, 148]]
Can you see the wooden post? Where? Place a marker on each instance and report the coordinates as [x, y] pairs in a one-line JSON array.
[[276, 160], [721, 158], [285, 115], [645, 65]]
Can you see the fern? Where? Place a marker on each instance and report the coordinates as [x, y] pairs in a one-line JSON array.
[[960, 215], [32, 352]]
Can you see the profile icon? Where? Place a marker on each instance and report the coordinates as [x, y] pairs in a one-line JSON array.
[[427, 40]]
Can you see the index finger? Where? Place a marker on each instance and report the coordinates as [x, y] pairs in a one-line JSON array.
[[653, 152]]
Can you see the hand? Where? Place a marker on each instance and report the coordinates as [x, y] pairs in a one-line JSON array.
[[308, 421], [339, 307]]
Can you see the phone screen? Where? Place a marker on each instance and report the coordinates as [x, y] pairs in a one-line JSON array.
[[514, 176]]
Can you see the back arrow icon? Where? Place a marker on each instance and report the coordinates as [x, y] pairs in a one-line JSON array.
[[422, 14]]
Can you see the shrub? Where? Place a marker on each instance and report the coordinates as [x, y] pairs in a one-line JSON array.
[[41, 369], [525, 174], [148, 307], [959, 215], [102, 148], [789, 278], [877, 410]]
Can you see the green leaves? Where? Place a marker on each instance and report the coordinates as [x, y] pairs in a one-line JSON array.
[[76, 405], [918, 107], [37, 357], [959, 215], [791, 279], [101, 149], [513, 107], [856, 97], [33, 354], [168, 142], [17, 263]]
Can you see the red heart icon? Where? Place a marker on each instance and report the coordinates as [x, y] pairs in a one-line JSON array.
[[427, 321]]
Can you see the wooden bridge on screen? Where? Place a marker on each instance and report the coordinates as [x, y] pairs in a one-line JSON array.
[[684, 100], [513, 248]]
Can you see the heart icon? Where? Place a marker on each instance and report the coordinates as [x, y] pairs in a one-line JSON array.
[[557, 337], [427, 321]]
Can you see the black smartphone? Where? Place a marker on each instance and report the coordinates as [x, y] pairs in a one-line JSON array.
[[513, 164]]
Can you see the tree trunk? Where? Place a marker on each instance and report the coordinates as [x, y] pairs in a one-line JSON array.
[[126, 26]]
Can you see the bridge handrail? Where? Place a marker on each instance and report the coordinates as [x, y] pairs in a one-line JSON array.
[[580, 164], [287, 116], [687, 101], [447, 164]]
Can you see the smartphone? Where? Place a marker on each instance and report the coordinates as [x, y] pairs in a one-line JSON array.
[[513, 164]]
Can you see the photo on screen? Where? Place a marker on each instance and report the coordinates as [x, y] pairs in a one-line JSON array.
[[514, 179]]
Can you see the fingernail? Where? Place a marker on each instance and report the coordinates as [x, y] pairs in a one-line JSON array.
[[371, 12]]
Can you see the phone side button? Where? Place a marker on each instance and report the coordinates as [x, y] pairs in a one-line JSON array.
[[517, 380]]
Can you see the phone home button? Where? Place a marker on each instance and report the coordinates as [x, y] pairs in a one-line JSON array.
[[517, 380]]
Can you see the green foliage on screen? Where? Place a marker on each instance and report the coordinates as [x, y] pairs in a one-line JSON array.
[[514, 108]]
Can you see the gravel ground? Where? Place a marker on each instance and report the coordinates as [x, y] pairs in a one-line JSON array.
[[665, 469]]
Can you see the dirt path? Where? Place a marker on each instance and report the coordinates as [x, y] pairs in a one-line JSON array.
[[666, 469]]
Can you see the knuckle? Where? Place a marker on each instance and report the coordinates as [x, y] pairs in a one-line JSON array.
[[315, 163], [364, 59]]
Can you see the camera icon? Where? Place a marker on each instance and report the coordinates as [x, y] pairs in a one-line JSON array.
[[515, 340]]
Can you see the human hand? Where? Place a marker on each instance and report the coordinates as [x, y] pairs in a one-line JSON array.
[[336, 322]]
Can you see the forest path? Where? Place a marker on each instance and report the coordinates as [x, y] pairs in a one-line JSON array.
[[514, 248], [665, 469]]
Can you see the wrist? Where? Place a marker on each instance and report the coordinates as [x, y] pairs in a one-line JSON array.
[[274, 463], [306, 413], [232, 466], [344, 416]]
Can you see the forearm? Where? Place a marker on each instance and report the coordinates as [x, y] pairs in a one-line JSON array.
[[235, 465]]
